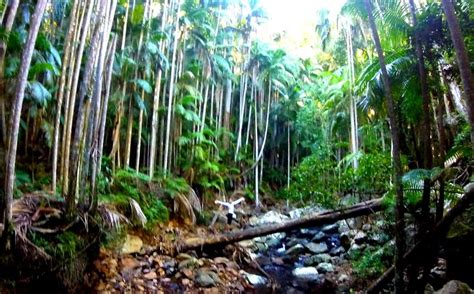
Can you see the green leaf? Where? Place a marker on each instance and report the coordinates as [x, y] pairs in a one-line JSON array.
[[184, 141], [144, 85], [56, 55], [138, 14], [152, 48], [38, 92], [40, 67]]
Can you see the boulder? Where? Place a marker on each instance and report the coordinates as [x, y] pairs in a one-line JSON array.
[[132, 244], [295, 250], [332, 228], [317, 248], [299, 212], [254, 280], [306, 273], [337, 251], [319, 237], [360, 237], [206, 278], [325, 267], [271, 217], [318, 258], [308, 232], [455, 286], [293, 242]]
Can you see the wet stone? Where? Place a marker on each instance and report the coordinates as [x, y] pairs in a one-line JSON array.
[[325, 267], [317, 247], [306, 273], [330, 228], [320, 236]]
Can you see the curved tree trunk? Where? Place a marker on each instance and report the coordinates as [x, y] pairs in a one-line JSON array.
[[397, 181], [35, 23]]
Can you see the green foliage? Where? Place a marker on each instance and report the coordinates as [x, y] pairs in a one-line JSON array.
[[318, 180], [373, 173], [175, 185], [130, 184], [62, 246], [372, 262]]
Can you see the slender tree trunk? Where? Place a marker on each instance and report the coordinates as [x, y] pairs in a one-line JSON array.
[[228, 103], [105, 103], [427, 156], [60, 94], [463, 61], [7, 24], [79, 134], [156, 99], [171, 91], [35, 23], [400, 222], [99, 105], [115, 152], [352, 107], [139, 137], [72, 102]]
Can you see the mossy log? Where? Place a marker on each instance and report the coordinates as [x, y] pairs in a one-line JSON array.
[[317, 219]]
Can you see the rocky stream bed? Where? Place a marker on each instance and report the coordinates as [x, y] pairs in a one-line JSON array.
[[310, 260]]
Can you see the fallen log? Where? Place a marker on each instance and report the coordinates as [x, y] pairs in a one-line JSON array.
[[439, 231], [332, 216]]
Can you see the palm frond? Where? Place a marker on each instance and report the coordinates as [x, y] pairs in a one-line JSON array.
[[137, 213]]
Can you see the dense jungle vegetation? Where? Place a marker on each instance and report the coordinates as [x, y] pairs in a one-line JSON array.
[[127, 118]]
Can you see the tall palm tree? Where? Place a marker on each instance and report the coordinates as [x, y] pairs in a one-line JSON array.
[[400, 223], [35, 23]]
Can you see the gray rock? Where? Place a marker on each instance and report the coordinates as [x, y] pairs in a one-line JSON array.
[[206, 278], [325, 267], [308, 232], [254, 280], [330, 228], [317, 248], [273, 242], [319, 237], [293, 242], [188, 263], [377, 238], [360, 237], [455, 286], [337, 251], [318, 258], [271, 217], [299, 212], [343, 227], [295, 250], [306, 273], [262, 247], [366, 227], [337, 260]]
